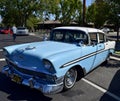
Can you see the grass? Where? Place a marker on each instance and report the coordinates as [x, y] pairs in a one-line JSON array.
[[117, 52]]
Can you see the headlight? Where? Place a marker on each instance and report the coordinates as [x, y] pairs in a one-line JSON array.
[[48, 65]]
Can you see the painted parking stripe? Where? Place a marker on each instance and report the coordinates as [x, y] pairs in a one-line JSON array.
[[1, 50], [101, 89], [115, 58], [3, 59]]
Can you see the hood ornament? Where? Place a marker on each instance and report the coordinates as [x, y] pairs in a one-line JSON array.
[[29, 48]]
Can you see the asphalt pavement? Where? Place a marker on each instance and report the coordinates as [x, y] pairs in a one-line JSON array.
[[101, 84]]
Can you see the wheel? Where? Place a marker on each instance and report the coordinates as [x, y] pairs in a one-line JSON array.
[[70, 78]]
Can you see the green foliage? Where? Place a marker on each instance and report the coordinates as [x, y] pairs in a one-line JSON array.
[[70, 10], [114, 16], [114, 11], [19, 12], [98, 13], [104, 11], [26, 12], [63, 10], [32, 22], [117, 52]]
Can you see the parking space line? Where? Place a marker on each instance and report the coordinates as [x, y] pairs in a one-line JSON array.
[[1, 50], [115, 58], [101, 89], [3, 59]]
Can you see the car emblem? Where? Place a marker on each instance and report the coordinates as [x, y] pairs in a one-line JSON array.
[[29, 48]]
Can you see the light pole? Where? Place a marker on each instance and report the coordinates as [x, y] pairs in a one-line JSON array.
[[84, 11], [118, 27]]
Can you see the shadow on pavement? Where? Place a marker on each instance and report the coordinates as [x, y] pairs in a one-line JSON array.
[[18, 92], [112, 64], [114, 88]]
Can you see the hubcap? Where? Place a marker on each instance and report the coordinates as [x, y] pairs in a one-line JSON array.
[[70, 78]]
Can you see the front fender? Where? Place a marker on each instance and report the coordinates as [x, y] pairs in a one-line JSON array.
[[58, 60]]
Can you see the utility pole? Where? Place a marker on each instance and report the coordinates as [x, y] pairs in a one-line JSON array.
[[84, 12], [118, 27]]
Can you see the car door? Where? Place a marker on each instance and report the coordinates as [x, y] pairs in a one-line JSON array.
[[89, 52], [94, 47], [101, 53]]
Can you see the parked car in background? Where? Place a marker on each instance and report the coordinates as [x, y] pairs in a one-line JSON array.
[[6, 31], [1, 28], [106, 30], [22, 31], [55, 65]]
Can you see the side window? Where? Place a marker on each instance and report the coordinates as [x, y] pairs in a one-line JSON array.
[[93, 37], [101, 38]]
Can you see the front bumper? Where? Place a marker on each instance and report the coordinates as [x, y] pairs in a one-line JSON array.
[[28, 80]]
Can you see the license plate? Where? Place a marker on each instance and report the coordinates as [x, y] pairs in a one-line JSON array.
[[16, 78]]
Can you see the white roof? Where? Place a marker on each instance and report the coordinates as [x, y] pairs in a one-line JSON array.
[[85, 29]]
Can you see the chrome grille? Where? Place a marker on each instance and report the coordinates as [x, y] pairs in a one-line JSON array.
[[25, 71]]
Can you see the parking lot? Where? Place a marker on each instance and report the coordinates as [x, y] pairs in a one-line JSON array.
[[102, 84]]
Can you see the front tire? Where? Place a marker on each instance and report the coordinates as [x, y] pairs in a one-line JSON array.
[[70, 78]]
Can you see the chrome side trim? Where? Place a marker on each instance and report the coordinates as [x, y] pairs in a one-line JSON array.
[[82, 58]]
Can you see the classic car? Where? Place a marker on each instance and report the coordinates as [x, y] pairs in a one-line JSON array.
[[106, 30], [56, 64]]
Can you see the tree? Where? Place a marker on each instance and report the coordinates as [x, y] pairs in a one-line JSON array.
[[98, 13], [91, 11], [32, 22], [51, 7], [63, 10], [18, 11], [70, 10], [114, 17], [114, 11]]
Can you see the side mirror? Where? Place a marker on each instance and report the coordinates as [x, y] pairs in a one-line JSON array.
[[93, 43]]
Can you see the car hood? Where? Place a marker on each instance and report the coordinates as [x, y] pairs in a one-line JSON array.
[[44, 49], [31, 55]]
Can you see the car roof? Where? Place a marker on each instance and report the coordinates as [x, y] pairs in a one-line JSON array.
[[85, 29]]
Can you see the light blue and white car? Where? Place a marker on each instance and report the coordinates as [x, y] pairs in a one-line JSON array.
[[55, 65]]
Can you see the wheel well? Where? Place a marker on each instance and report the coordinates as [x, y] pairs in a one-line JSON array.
[[80, 72]]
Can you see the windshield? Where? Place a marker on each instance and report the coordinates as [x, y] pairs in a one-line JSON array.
[[69, 36], [21, 28]]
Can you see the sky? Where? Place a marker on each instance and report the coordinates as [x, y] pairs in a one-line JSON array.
[[89, 2]]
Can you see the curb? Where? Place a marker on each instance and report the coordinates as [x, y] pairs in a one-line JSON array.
[[115, 55]]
